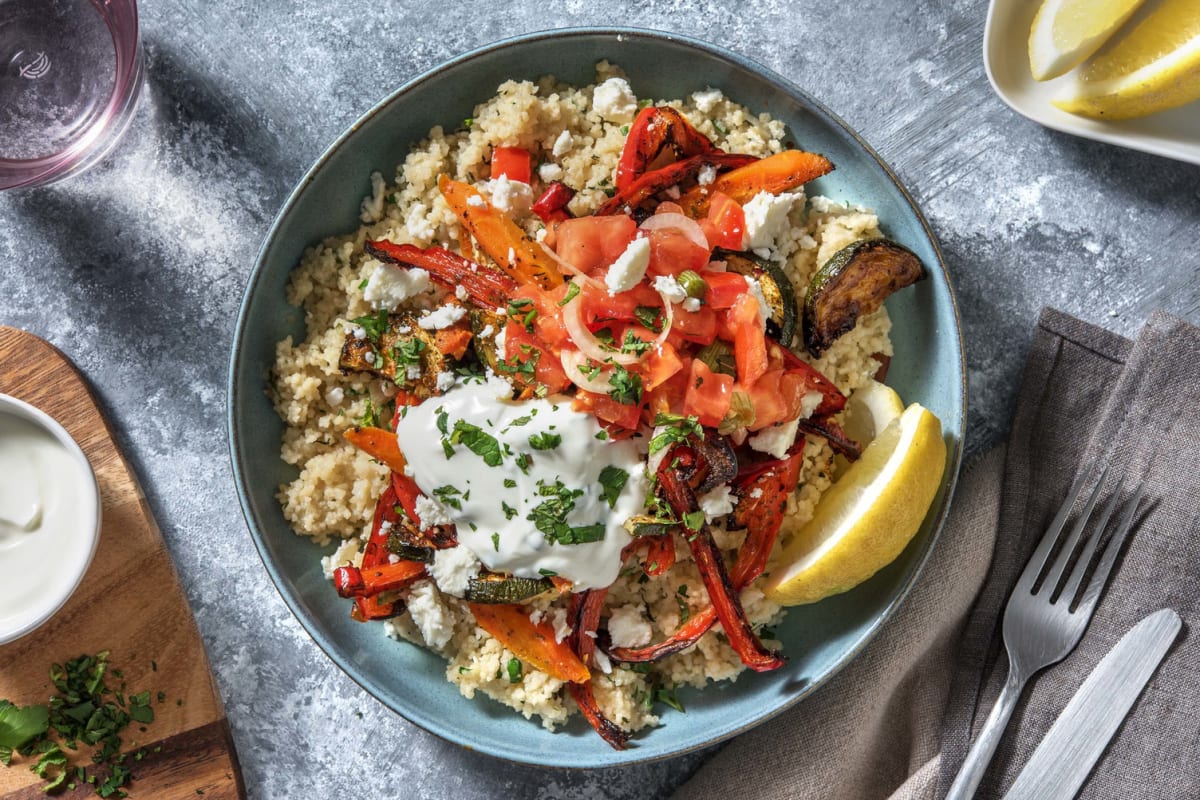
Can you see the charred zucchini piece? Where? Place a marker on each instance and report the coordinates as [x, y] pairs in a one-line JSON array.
[[717, 453], [852, 284], [776, 287], [391, 352], [409, 552], [640, 525], [485, 344], [493, 588]]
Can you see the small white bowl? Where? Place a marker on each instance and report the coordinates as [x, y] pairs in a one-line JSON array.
[[76, 563]]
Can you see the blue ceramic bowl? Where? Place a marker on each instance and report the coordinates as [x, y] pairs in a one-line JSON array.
[[819, 639]]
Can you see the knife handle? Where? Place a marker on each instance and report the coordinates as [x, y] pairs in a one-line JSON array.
[[980, 755]]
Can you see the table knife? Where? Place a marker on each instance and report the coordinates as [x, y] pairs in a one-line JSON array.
[[1061, 763]]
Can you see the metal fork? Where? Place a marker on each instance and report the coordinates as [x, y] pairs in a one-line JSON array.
[[1040, 627]]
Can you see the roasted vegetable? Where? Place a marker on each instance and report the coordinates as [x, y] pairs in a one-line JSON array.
[[852, 284], [402, 346], [485, 285], [379, 444], [651, 183], [494, 588], [485, 325], [584, 616], [773, 174], [658, 134], [533, 644], [776, 288], [641, 525], [398, 544]]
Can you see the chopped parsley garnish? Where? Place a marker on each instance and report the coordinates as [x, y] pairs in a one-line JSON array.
[[443, 420], [408, 353], [515, 366], [693, 520], [720, 126], [613, 480], [448, 496], [650, 317], [602, 435], [520, 421], [509, 483], [550, 516], [545, 440], [363, 283], [667, 696], [675, 429], [547, 573], [634, 344], [589, 370], [470, 372], [496, 542], [478, 441], [523, 462], [626, 387], [370, 417], [374, 325], [509, 511], [523, 311], [572, 292], [605, 335], [514, 670]]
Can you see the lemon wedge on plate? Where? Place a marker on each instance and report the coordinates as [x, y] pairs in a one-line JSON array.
[[1153, 67], [868, 516], [1065, 32], [869, 409]]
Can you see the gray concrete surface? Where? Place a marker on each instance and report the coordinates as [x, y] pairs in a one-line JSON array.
[[137, 268]]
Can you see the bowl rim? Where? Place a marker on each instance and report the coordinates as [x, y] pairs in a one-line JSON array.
[[92, 507], [956, 447]]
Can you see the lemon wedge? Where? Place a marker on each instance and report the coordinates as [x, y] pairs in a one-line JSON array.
[[1065, 32], [869, 409], [1154, 67], [868, 516]]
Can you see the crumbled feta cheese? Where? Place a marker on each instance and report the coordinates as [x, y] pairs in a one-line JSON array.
[[767, 216], [413, 372], [602, 661], [345, 556], [692, 304], [512, 197], [477, 201], [418, 224], [369, 357], [629, 268], [558, 618], [431, 512], [670, 288], [628, 627], [708, 174], [430, 615], [335, 395], [359, 332], [500, 386], [389, 286], [764, 310], [488, 330], [809, 403], [452, 568], [717, 502], [614, 100], [756, 492], [776, 439], [461, 292], [441, 317], [404, 329], [707, 100], [536, 615], [445, 381], [563, 144], [501, 339], [550, 172]]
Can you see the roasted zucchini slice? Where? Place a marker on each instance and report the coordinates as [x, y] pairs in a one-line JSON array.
[[493, 588], [485, 343], [852, 284], [402, 349], [640, 525], [409, 552], [776, 288]]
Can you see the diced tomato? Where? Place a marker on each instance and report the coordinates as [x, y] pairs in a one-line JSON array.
[[697, 327], [749, 341], [708, 394], [671, 253], [659, 365], [599, 308], [667, 397], [547, 323], [770, 406], [725, 225], [723, 288], [608, 410], [512, 163], [520, 346], [590, 243]]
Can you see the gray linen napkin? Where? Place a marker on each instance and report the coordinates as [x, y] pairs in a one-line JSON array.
[[897, 722]]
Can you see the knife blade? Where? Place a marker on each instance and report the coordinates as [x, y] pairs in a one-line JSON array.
[[1063, 760]]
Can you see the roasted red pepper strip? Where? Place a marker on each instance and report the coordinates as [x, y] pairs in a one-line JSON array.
[[374, 554], [654, 182], [832, 399], [721, 593], [438, 537], [660, 555], [584, 614], [762, 517], [370, 581], [552, 204], [654, 130], [487, 287], [829, 430]]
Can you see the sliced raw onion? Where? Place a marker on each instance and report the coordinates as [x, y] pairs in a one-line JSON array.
[[572, 360], [572, 269], [586, 341], [685, 225]]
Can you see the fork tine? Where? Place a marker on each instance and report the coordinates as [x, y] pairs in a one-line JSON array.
[[1038, 559], [1087, 603], [1064, 555], [1089, 550]]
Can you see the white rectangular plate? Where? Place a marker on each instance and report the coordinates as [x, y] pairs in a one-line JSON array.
[[1174, 134]]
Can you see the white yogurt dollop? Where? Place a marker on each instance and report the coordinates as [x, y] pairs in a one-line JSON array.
[[533, 487]]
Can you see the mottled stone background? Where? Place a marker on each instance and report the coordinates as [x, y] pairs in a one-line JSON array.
[[137, 268]]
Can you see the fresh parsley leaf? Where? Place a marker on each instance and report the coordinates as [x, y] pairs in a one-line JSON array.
[[693, 520], [509, 511], [443, 421], [496, 542], [550, 516], [572, 292], [547, 573], [370, 416], [650, 317], [514, 670], [478, 441], [523, 462], [545, 440], [634, 344], [19, 726], [408, 352], [520, 421], [675, 429], [509, 483], [375, 325], [667, 696], [613, 480], [626, 387], [448, 496]]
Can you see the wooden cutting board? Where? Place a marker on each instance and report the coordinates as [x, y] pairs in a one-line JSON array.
[[130, 602]]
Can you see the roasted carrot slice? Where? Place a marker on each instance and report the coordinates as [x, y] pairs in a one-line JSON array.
[[531, 643], [379, 444], [651, 183], [452, 341], [502, 239], [374, 554], [486, 286], [773, 174], [370, 581], [584, 615]]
